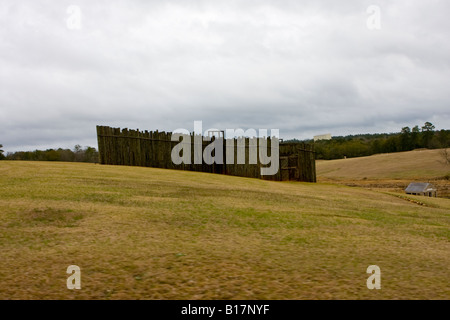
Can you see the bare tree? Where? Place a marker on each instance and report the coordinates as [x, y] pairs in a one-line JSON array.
[[446, 154]]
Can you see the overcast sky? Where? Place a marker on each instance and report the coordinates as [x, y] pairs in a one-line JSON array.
[[303, 67]]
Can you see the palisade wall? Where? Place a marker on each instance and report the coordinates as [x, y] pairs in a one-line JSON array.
[[154, 149]]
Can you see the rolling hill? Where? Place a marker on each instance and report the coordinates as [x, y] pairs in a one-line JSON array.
[[390, 171], [144, 233]]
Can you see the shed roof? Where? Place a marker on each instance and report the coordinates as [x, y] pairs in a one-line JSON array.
[[415, 187]]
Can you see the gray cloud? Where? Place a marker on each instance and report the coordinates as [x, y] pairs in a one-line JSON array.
[[304, 67]]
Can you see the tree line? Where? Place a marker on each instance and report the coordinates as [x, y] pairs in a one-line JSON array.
[[337, 148], [368, 144], [78, 154]]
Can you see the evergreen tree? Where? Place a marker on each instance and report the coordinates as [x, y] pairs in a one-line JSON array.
[[427, 133], [415, 137], [405, 139]]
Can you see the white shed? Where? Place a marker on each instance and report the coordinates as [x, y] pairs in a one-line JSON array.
[[421, 189]]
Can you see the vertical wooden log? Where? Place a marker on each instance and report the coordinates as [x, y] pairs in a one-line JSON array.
[[100, 144], [138, 148], [105, 146], [122, 140], [131, 134], [126, 146], [151, 149], [108, 145], [145, 149]]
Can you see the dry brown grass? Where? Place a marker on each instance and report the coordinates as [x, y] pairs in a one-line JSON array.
[[141, 233], [390, 171]]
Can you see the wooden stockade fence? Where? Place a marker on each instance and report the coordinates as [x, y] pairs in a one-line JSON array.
[[154, 149]]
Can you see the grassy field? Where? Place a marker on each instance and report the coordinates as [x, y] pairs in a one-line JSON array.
[[143, 233], [390, 171]]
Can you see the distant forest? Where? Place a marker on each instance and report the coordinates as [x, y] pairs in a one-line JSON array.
[[368, 144], [337, 148], [78, 154]]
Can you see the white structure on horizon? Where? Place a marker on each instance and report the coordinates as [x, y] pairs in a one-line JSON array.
[[322, 137]]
